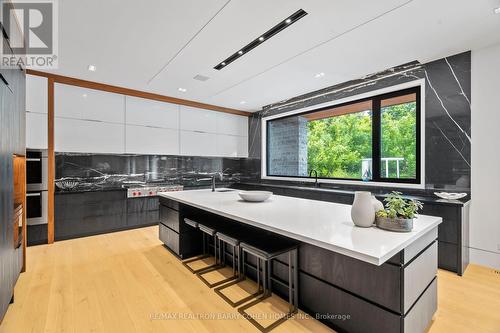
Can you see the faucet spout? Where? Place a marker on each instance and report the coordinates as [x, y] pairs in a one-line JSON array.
[[315, 177]]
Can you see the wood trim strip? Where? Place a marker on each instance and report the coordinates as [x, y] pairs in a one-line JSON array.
[[131, 92], [51, 162]]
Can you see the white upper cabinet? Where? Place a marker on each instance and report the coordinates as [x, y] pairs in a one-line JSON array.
[[88, 104], [232, 145], [151, 140], [232, 124], [85, 136], [145, 112], [200, 120], [36, 94], [198, 143], [36, 131]]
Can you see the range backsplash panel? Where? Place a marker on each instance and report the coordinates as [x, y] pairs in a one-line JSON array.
[[447, 115], [108, 171]]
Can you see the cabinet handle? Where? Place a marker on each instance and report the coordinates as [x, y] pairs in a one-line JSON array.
[[33, 159], [33, 194]]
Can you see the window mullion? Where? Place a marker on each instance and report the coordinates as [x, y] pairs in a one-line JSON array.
[[376, 136]]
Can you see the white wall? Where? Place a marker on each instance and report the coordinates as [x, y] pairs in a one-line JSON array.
[[485, 185]]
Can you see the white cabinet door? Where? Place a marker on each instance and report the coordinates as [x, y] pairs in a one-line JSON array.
[[198, 143], [88, 104], [232, 124], [84, 136], [243, 146], [194, 119], [36, 94], [151, 140], [140, 111], [36, 131], [232, 146]]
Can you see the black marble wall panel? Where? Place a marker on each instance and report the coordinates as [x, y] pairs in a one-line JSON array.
[[103, 171], [447, 115]]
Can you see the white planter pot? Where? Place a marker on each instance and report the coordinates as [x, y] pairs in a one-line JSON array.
[[363, 210]]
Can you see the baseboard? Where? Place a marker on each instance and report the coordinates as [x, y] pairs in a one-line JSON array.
[[485, 258]]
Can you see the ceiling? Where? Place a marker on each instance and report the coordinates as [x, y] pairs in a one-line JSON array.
[[160, 45]]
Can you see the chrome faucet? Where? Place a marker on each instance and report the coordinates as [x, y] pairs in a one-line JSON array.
[[315, 177], [213, 180]]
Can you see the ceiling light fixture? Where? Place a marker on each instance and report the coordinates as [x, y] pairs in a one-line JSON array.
[[243, 102], [92, 68], [263, 37], [496, 10], [319, 75], [182, 89]]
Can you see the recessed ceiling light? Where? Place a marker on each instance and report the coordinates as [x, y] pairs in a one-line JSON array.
[[288, 21], [84, 95], [182, 89], [261, 38], [92, 68], [496, 10], [243, 102], [319, 75], [240, 52]]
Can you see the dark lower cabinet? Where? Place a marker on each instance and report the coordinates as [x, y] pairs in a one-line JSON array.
[[174, 233], [90, 213]]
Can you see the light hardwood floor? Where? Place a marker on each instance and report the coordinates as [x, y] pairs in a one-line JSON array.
[[127, 282]]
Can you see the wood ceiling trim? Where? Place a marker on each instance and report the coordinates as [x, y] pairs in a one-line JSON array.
[[132, 92]]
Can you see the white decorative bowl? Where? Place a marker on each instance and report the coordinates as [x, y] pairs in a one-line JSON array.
[[255, 196], [450, 196]]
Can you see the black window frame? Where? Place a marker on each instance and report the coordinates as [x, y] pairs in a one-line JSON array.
[[376, 138]]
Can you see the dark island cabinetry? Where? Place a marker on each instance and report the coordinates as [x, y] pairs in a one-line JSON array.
[[174, 233]]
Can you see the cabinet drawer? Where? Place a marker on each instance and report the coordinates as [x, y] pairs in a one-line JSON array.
[[169, 217], [169, 203], [170, 238], [419, 274]]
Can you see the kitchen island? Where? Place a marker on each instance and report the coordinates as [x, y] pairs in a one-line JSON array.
[[354, 279]]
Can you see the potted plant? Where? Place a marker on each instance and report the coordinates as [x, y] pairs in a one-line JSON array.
[[398, 214]]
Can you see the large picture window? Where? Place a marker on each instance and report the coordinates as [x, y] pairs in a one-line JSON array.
[[375, 139]]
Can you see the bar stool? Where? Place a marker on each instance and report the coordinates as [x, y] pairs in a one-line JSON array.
[[207, 231], [224, 239], [267, 249]]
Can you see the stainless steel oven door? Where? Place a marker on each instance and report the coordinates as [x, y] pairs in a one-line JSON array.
[[36, 207]]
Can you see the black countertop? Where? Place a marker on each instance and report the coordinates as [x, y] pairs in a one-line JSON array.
[[424, 197]]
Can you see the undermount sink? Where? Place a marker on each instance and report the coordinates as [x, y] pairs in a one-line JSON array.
[[225, 190]]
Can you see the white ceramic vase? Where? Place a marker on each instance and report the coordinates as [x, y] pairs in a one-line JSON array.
[[363, 210], [377, 204]]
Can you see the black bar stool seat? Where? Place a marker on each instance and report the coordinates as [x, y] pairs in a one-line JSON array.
[[267, 248], [224, 238], [191, 223], [207, 231]]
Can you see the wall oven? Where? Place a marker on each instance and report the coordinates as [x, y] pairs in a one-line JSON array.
[[36, 170], [36, 187]]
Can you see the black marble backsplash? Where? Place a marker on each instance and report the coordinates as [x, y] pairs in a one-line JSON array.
[[91, 172], [447, 115]]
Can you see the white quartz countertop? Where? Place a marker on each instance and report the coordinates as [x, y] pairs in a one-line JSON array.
[[324, 224]]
